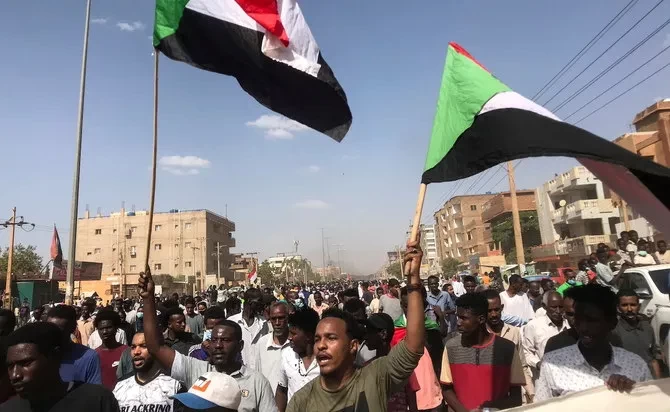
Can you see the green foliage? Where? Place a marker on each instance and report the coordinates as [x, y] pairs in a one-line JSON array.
[[503, 233], [450, 266], [25, 260], [265, 271], [394, 270]]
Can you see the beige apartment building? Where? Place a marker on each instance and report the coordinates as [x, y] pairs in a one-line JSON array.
[[499, 208], [183, 245], [460, 228]]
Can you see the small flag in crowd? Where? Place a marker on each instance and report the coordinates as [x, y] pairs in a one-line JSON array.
[[56, 250], [252, 275], [480, 122], [267, 46]]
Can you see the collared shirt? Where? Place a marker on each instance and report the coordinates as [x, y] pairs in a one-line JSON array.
[[256, 392], [443, 300], [638, 339], [517, 305], [535, 336], [94, 340], [604, 274], [86, 328], [293, 374], [663, 258], [268, 358], [251, 335], [565, 370]]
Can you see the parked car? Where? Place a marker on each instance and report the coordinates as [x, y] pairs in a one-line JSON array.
[[652, 285]]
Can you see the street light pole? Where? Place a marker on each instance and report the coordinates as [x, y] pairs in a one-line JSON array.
[[10, 257]]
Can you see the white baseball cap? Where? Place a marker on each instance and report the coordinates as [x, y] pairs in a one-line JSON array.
[[211, 390]]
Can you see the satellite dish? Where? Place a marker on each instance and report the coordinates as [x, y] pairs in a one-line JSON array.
[[562, 203]]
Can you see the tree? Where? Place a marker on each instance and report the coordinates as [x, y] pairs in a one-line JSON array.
[[25, 260], [450, 266], [265, 271], [503, 232], [394, 270]]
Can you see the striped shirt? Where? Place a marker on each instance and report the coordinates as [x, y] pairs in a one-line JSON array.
[[481, 373]]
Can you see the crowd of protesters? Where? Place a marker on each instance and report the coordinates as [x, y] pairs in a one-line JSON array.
[[465, 343]]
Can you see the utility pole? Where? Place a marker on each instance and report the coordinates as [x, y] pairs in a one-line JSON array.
[[339, 264], [516, 221], [10, 258], [323, 255], [218, 264], [195, 276]]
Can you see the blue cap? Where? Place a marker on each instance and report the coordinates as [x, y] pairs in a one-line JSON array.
[[193, 401]]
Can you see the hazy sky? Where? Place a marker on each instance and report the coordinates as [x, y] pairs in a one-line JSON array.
[[282, 182]]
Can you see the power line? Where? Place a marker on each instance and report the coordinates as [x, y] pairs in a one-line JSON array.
[[603, 53], [585, 49], [623, 93], [618, 82], [613, 65]]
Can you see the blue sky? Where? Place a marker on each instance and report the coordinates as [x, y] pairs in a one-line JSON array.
[[288, 184]]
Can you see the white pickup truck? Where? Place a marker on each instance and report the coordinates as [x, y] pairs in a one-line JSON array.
[[652, 284]]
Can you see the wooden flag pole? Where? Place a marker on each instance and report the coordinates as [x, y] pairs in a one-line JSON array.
[[416, 224], [152, 199], [414, 235]]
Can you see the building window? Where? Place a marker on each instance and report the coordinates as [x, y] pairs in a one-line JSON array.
[[133, 229], [113, 270], [176, 245], [187, 225], [473, 207], [88, 253], [176, 265], [113, 249], [157, 246], [113, 230], [176, 226], [133, 268], [157, 266], [187, 245], [96, 251], [157, 228], [98, 231], [133, 251], [187, 264]]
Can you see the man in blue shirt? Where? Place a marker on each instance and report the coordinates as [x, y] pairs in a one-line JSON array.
[[79, 363], [441, 300]]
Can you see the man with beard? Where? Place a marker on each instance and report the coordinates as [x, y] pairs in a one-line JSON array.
[[512, 333], [33, 363], [148, 387], [176, 336], [538, 331], [343, 386], [593, 361], [635, 333], [213, 316], [271, 346], [253, 325], [298, 365], [224, 349]]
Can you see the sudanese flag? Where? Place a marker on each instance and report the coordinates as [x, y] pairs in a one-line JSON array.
[[267, 46]]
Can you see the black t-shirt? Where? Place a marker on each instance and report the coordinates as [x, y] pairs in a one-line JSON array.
[[82, 397]]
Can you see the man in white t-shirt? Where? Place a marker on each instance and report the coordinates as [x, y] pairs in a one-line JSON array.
[[515, 302], [148, 388], [299, 365]]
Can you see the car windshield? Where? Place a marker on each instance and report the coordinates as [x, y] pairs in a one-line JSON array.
[[661, 279]]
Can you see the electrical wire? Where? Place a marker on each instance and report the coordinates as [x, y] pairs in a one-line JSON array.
[[611, 66], [617, 83], [603, 53], [622, 94], [585, 49]]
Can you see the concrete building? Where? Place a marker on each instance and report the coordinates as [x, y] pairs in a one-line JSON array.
[[651, 140], [183, 245], [460, 228], [574, 215], [499, 208], [428, 245]]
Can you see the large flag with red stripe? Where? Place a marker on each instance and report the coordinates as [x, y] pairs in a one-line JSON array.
[[267, 46]]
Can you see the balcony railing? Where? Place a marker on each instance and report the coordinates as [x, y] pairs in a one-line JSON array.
[[580, 246], [566, 179], [584, 209]]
